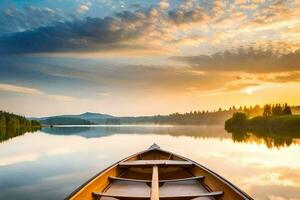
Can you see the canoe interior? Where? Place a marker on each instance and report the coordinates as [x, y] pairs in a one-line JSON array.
[[178, 178]]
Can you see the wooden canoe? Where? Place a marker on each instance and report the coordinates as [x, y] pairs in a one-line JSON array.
[[157, 174]]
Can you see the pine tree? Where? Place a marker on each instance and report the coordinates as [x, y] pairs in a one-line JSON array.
[[287, 110], [2, 120], [267, 110]]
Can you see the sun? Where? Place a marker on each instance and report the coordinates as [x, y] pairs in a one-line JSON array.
[[249, 90]]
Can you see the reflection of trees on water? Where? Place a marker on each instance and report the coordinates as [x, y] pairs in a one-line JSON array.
[[11, 132], [176, 131], [270, 139], [65, 130], [202, 132]]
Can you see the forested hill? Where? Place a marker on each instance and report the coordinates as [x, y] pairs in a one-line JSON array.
[[12, 125], [64, 121], [16, 121]]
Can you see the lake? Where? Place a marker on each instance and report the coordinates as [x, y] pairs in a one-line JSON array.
[[51, 163]]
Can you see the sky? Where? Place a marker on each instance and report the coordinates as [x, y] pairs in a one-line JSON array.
[[149, 57]]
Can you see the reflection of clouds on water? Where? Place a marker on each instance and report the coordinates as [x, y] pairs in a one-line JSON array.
[[9, 160], [291, 175], [61, 161], [276, 192]]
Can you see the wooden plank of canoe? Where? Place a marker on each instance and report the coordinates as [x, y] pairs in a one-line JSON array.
[[182, 188], [160, 181], [183, 197], [154, 184], [159, 163]]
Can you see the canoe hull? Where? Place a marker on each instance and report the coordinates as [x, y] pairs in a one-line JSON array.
[[211, 181]]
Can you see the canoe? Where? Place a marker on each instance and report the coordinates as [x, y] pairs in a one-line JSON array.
[[157, 174]]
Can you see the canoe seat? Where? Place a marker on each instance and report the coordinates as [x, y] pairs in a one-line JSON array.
[[160, 181], [182, 190], [183, 197], [159, 163]]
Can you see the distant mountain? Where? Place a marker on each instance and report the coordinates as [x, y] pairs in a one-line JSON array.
[[81, 119], [87, 116], [58, 120], [94, 117]]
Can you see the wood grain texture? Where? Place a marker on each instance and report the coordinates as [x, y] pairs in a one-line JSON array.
[[155, 184], [160, 181], [159, 163]]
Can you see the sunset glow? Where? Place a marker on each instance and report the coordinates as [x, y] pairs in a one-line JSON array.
[[147, 57]]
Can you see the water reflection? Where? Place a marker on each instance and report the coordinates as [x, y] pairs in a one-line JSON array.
[[52, 162], [270, 139], [102, 131], [11, 132]]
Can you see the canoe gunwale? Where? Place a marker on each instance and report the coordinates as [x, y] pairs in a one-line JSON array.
[[217, 176]]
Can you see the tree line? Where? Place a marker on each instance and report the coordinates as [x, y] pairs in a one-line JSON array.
[[12, 125], [203, 117], [270, 139], [12, 120], [277, 110], [276, 117], [221, 115]]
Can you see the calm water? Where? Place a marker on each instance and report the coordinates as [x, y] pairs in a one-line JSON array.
[[51, 163]]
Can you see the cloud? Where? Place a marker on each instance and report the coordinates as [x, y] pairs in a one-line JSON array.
[[103, 94], [82, 8], [164, 5], [67, 76], [161, 29], [60, 97], [17, 20], [152, 28], [187, 13], [274, 12], [89, 34], [129, 79], [31, 91], [18, 89], [96, 79], [244, 60], [282, 77], [240, 1], [135, 6], [240, 86], [248, 6]]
